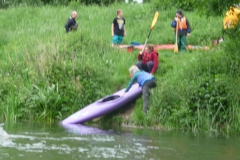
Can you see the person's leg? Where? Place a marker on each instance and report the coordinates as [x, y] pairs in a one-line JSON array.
[[179, 42], [114, 40], [142, 66], [120, 39], [146, 93], [145, 68], [150, 66], [183, 43], [139, 64]]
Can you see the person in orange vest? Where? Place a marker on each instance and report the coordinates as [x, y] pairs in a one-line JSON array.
[[181, 24], [231, 18]]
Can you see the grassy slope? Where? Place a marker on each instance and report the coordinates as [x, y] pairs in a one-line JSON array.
[[34, 40]]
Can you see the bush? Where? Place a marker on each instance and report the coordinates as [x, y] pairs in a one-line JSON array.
[[187, 5], [8, 3]]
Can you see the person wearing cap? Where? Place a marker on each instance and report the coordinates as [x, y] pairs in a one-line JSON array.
[[145, 80], [182, 25], [71, 22]]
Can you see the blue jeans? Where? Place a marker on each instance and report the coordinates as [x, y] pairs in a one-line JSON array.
[[146, 67]]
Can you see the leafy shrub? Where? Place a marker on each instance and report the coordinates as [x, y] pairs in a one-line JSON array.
[[8, 3], [187, 5], [210, 100]]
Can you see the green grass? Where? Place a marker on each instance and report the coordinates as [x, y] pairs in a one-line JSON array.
[[47, 74]]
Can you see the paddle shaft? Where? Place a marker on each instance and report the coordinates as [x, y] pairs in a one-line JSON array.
[[177, 34], [146, 40], [152, 26], [176, 43]]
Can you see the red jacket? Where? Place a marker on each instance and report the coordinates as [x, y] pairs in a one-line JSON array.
[[152, 56]]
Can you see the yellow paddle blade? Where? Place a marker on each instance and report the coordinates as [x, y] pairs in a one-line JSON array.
[[154, 20], [175, 49]]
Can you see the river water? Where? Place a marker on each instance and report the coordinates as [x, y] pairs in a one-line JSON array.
[[28, 141]]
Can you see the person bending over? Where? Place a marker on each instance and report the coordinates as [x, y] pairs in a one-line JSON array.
[[145, 80]]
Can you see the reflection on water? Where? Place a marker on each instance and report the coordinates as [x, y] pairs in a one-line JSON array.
[[73, 142], [84, 130]]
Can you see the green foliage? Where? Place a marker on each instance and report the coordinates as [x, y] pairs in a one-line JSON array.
[[204, 7], [99, 2], [214, 7], [209, 100], [187, 5], [198, 98], [44, 104], [3, 38], [8, 3], [46, 74], [9, 100], [138, 116]]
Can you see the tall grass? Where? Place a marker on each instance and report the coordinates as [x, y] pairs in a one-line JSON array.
[[47, 74]]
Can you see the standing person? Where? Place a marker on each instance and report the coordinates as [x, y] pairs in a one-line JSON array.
[[145, 80], [118, 28], [181, 24], [148, 60], [71, 22]]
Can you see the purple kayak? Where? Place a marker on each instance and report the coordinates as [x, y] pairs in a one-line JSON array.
[[104, 106]]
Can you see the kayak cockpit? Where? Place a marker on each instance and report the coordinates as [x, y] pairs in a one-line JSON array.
[[109, 98]]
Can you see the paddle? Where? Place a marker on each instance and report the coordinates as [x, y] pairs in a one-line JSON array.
[[175, 50], [152, 26]]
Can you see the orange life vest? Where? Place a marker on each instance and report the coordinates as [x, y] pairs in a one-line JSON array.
[[182, 24], [231, 18]]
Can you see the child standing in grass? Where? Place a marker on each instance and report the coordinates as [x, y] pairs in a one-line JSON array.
[[118, 28], [145, 80]]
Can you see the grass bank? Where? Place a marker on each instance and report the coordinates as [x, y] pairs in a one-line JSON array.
[[47, 74]]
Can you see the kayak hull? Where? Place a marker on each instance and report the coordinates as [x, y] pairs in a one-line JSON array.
[[158, 47], [104, 106], [171, 47]]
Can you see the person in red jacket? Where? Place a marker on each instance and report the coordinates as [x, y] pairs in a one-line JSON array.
[[148, 60]]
